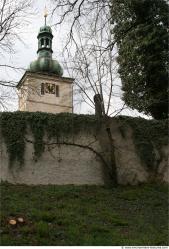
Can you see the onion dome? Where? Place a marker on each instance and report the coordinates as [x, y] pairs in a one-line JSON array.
[[44, 62]]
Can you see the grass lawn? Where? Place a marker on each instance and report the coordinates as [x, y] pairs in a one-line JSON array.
[[84, 215]]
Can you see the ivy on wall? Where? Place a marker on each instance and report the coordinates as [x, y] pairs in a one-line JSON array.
[[14, 127], [147, 134]]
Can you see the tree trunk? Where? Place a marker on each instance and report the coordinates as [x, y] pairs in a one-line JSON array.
[[105, 138]]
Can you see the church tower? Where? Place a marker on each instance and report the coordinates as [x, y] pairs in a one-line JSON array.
[[42, 87]]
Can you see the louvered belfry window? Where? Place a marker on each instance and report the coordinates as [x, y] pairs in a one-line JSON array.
[[57, 91], [42, 88]]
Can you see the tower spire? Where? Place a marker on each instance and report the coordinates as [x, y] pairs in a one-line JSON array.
[[45, 14], [44, 62]]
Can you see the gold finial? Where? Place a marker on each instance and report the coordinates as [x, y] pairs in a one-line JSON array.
[[45, 12]]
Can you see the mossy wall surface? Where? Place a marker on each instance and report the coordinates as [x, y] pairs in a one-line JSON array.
[[15, 125], [149, 136]]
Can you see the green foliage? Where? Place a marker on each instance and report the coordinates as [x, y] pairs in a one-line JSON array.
[[42, 229], [141, 32], [14, 128], [148, 136], [85, 215]]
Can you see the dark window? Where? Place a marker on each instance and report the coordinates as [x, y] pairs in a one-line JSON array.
[[47, 42], [57, 91], [42, 42], [42, 89]]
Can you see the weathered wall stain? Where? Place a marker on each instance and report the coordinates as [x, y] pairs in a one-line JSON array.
[[82, 157]]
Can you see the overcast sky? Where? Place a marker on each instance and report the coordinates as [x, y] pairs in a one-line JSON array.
[[26, 52]]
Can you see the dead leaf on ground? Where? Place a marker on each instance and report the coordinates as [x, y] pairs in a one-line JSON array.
[[12, 222], [21, 220]]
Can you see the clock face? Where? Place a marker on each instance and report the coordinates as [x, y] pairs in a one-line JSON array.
[[49, 88]]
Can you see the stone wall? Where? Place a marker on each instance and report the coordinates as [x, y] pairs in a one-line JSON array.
[[82, 158], [31, 99], [59, 164]]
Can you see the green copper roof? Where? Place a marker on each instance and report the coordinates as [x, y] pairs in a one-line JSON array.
[[45, 29], [44, 62]]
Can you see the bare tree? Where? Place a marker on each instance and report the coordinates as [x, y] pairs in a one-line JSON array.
[[91, 20], [90, 57], [13, 17], [89, 52], [94, 69], [75, 10]]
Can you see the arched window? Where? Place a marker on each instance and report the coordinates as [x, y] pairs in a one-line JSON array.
[[42, 42], [47, 42]]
